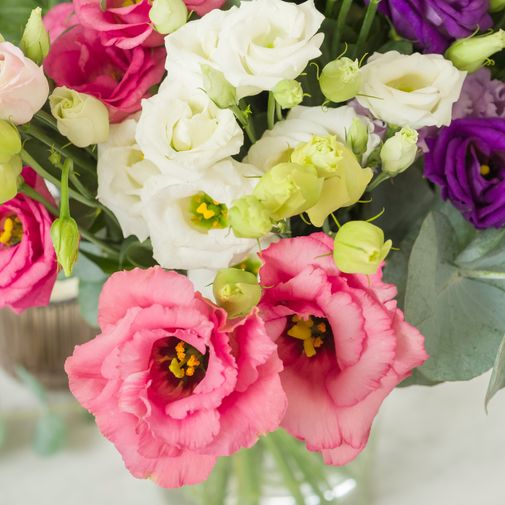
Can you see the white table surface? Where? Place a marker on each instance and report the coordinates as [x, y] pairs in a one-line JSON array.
[[435, 447]]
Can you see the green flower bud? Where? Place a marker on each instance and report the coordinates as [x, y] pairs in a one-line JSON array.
[[340, 80], [10, 141], [65, 235], [496, 5], [168, 15], [324, 153], [399, 151], [249, 218], [288, 93], [220, 91], [357, 136], [289, 189], [236, 291], [360, 248], [35, 41], [82, 118], [9, 173], [471, 53]]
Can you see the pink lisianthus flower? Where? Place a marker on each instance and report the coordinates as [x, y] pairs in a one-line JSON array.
[[171, 383], [28, 267], [59, 19], [202, 7], [119, 78], [124, 24], [342, 339]]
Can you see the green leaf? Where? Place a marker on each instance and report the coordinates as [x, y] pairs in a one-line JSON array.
[[13, 16], [49, 434], [35, 387], [461, 317], [497, 380]]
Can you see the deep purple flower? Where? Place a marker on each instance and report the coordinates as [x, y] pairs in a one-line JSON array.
[[434, 24], [467, 160]]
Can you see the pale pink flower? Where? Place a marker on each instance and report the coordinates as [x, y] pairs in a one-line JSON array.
[[342, 339]]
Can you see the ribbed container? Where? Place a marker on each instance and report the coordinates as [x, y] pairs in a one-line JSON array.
[[40, 339]]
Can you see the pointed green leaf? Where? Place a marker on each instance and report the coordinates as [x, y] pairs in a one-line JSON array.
[[497, 380]]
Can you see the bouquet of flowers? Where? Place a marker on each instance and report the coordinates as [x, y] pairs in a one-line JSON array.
[[296, 207]]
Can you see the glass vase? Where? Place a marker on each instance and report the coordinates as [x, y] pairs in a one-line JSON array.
[[280, 471]]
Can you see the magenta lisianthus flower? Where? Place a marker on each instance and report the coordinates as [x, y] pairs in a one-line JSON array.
[[121, 23], [59, 19], [171, 383], [28, 267], [119, 78], [202, 7], [343, 342]]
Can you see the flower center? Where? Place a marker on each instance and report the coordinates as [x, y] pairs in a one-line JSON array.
[[206, 213], [313, 331], [409, 83], [11, 232], [485, 170]]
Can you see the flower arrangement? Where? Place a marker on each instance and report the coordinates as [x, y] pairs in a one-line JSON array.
[[334, 169]]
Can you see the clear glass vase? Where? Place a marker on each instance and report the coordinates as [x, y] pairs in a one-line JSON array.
[[280, 471]]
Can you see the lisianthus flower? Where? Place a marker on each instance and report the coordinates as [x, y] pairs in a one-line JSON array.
[[342, 339], [467, 161], [170, 382], [434, 24], [59, 19], [255, 45], [23, 87], [125, 24], [28, 267], [119, 78]]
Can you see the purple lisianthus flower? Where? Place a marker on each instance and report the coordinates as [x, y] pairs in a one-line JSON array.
[[434, 24], [467, 161]]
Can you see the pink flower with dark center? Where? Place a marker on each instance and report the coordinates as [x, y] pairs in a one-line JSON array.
[[173, 384], [28, 267], [343, 342]]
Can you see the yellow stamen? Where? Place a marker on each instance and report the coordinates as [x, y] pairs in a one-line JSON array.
[[318, 342], [302, 329], [190, 372], [6, 235], [205, 211], [193, 361], [321, 327], [485, 170], [308, 348], [180, 349], [175, 368]]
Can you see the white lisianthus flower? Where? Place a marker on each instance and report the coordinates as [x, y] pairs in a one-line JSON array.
[[414, 90], [183, 132], [301, 125], [255, 45], [122, 174], [188, 221]]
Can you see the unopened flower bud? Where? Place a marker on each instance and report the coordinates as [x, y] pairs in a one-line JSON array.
[[9, 173], [472, 53], [324, 153], [340, 80], [249, 218], [168, 15], [220, 91], [35, 41], [65, 236], [289, 189], [496, 5], [82, 118], [357, 136], [399, 152], [288, 93], [236, 291], [10, 141], [359, 248]]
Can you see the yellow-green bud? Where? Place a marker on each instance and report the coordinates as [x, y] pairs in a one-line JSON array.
[[35, 41], [324, 153], [360, 248], [249, 218], [288, 93], [399, 151], [82, 118], [496, 5], [220, 91], [340, 80], [10, 141], [65, 236], [357, 136], [289, 189], [168, 15], [9, 173], [472, 53], [236, 291]]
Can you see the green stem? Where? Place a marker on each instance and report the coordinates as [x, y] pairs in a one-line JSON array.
[[378, 181], [99, 243], [216, 486], [246, 122], [330, 5], [342, 17], [271, 110], [272, 445], [366, 26], [64, 189], [34, 195], [248, 491]]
